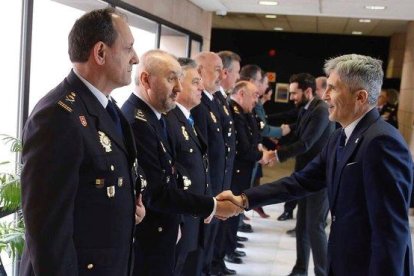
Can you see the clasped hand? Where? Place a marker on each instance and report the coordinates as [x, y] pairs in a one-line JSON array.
[[228, 205]]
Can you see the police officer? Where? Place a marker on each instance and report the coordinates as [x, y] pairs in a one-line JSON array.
[[157, 85], [77, 188]]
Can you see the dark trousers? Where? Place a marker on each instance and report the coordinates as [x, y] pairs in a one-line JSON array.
[[223, 239], [290, 206], [189, 263], [211, 232], [310, 233]]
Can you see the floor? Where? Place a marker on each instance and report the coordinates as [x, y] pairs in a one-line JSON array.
[[270, 251]]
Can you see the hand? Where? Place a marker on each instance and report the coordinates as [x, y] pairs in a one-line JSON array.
[[285, 129], [139, 210], [268, 156], [228, 195], [226, 209]]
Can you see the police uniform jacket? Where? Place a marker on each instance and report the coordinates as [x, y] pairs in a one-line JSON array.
[[77, 187], [207, 118], [229, 137], [156, 235], [369, 190], [247, 153], [190, 151]]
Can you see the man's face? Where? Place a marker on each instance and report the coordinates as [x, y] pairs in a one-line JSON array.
[[342, 103], [382, 98], [319, 87], [257, 81], [250, 97], [121, 56], [231, 75], [192, 84], [297, 95], [164, 84], [211, 73]]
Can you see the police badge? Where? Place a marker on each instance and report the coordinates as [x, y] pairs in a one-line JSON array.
[[105, 141], [213, 117], [185, 134]]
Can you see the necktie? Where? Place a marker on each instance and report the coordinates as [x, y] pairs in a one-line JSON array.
[[341, 146], [163, 128], [191, 121], [115, 117]]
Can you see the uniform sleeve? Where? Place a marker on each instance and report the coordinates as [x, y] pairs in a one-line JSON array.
[[52, 154], [245, 150]]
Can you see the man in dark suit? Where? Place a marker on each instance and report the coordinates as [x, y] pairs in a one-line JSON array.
[[190, 151], [309, 135], [78, 195], [157, 85], [368, 171]]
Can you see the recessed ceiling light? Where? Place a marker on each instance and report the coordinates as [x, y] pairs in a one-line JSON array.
[[278, 29], [365, 21], [357, 33], [271, 16], [375, 7], [268, 3]]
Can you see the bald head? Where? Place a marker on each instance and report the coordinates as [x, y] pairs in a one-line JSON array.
[[158, 79], [246, 94], [209, 65]]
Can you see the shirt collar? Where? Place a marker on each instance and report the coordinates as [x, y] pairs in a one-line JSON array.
[[98, 94], [208, 95], [184, 110], [158, 114], [223, 92], [308, 104], [351, 127]]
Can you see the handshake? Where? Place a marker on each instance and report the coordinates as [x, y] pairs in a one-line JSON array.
[[228, 205]]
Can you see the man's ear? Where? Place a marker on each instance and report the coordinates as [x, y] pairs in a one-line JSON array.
[[144, 79], [199, 69], [308, 92], [99, 53], [362, 96]]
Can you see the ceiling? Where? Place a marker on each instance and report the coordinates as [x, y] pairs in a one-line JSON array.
[[312, 16]]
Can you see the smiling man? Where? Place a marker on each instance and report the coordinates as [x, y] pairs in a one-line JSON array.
[[368, 171]]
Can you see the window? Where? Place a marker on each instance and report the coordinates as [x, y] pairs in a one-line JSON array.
[[195, 47], [173, 41]]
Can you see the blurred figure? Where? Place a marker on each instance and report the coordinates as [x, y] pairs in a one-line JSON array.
[[320, 86], [388, 106]]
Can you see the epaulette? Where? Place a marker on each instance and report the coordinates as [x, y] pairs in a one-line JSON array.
[[67, 102], [140, 115]]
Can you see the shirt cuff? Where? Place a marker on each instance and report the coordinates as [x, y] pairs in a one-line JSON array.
[[277, 157], [210, 217]]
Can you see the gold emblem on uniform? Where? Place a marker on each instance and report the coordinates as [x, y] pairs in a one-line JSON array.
[[110, 191], [185, 134], [120, 181], [213, 117], [186, 182], [105, 141], [140, 115], [236, 110], [163, 148], [70, 97], [64, 106], [226, 110], [99, 182], [262, 125], [83, 121]]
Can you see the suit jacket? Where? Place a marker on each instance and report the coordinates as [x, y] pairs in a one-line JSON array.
[[156, 235], [190, 151], [229, 137], [77, 187], [247, 153], [310, 134], [207, 118], [369, 192]]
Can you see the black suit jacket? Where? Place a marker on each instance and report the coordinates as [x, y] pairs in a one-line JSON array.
[[310, 134], [247, 153], [207, 118], [77, 186], [190, 151], [369, 192], [156, 235]]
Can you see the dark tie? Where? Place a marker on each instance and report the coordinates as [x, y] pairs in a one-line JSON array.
[[341, 146], [115, 117], [164, 128]]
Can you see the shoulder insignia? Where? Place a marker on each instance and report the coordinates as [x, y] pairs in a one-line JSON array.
[[65, 106], [213, 117], [236, 110], [140, 115], [70, 98]]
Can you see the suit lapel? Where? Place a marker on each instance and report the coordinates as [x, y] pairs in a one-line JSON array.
[[95, 109], [188, 128], [351, 146]]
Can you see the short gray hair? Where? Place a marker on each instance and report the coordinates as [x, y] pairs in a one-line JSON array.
[[358, 72]]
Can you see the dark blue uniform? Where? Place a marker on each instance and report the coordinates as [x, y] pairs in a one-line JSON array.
[[190, 151], [77, 188], [156, 235]]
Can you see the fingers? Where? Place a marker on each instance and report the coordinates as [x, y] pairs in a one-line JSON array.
[[139, 210], [225, 195]]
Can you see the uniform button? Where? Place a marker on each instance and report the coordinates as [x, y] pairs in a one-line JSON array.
[[218, 130], [333, 218], [238, 171], [225, 171], [191, 150], [89, 266], [207, 185], [159, 229], [112, 167]]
